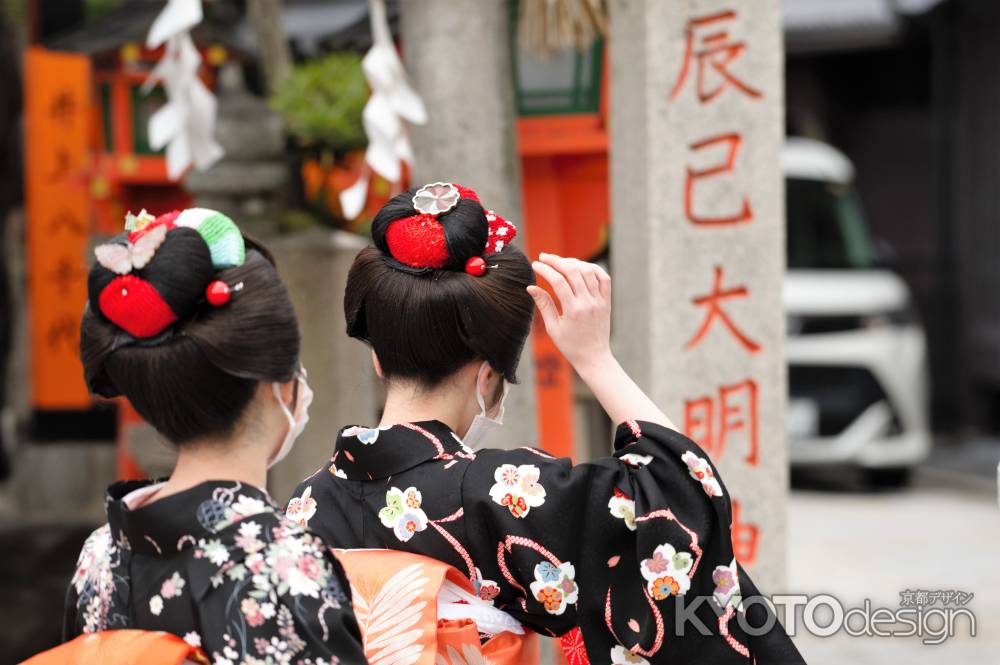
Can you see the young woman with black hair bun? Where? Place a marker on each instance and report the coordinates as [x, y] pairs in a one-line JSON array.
[[607, 554], [189, 320]]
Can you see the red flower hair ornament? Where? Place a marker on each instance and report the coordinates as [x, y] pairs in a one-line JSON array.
[[133, 302], [418, 242]]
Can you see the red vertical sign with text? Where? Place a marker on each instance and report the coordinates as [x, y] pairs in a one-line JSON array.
[[57, 112]]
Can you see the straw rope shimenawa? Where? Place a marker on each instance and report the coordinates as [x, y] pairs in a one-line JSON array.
[[549, 26]]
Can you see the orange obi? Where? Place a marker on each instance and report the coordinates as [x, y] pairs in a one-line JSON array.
[[121, 647], [415, 609]]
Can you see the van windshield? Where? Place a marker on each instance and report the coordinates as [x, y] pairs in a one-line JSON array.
[[826, 227]]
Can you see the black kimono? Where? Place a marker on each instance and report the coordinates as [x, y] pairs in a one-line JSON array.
[[619, 548], [219, 566]]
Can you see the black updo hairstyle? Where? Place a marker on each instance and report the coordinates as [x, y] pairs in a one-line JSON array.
[[195, 379], [425, 325]]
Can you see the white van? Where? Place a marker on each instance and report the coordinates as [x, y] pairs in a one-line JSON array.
[[857, 358]]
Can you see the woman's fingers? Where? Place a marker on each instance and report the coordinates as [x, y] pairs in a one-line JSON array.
[[546, 307], [559, 284], [604, 282], [589, 271], [570, 269]]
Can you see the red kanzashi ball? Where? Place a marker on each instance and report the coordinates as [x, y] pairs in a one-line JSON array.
[[476, 266], [132, 304], [218, 293], [418, 241]]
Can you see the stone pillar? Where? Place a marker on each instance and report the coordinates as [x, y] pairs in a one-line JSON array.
[[698, 249], [314, 266], [457, 55]]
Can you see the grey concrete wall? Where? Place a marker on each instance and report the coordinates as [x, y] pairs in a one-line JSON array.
[[662, 260]]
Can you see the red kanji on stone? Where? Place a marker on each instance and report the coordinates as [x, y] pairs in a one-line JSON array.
[[707, 40], [745, 538], [713, 303], [732, 143], [711, 420]]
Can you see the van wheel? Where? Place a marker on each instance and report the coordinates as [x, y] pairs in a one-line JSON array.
[[889, 477]]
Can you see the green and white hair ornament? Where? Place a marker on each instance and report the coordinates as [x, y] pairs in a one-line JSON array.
[[220, 233]]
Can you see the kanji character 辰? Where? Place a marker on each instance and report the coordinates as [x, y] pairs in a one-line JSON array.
[[707, 40]]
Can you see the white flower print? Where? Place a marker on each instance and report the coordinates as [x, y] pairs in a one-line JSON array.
[[517, 488], [622, 507], [402, 512], [301, 509], [366, 435], [555, 586], [246, 506], [267, 610], [94, 557], [636, 460], [701, 470], [622, 656], [666, 572], [486, 589], [727, 585], [156, 605], [193, 638], [248, 539], [213, 550], [93, 580], [172, 587], [339, 473]]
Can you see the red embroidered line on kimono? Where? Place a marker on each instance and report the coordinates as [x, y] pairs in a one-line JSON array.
[[533, 451], [430, 437], [737, 646], [507, 544], [666, 513], [657, 643], [634, 426], [457, 546]]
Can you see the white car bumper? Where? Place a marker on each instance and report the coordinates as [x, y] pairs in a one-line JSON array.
[[859, 397]]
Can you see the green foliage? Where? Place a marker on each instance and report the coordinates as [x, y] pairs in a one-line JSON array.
[[322, 101]]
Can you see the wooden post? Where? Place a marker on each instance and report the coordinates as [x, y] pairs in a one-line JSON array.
[[698, 252]]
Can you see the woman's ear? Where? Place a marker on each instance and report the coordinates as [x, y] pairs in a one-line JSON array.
[[489, 385], [287, 391], [378, 366]]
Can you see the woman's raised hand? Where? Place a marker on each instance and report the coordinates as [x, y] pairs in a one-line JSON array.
[[581, 328], [580, 323]]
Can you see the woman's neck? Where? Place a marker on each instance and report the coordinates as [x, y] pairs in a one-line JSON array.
[[408, 403], [216, 460]]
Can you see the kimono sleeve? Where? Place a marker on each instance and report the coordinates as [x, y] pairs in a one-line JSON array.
[[634, 550]]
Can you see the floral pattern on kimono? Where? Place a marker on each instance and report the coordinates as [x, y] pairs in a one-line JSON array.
[[608, 552], [220, 567]]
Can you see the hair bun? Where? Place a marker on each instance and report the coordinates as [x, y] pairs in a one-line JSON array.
[[156, 274], [439, 226]]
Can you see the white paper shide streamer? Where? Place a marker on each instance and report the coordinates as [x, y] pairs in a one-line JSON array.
[[392, 104], [185, 124]]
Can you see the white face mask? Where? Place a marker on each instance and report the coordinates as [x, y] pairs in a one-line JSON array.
[[297, 421], [482, 424]]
